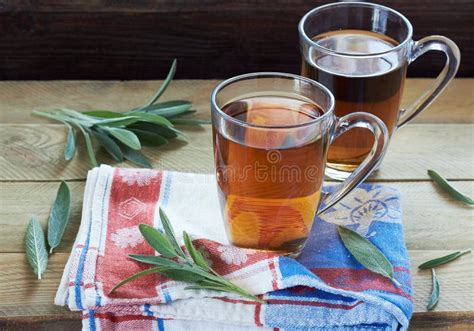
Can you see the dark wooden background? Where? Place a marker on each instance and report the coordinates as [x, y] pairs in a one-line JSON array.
[[137, 39]]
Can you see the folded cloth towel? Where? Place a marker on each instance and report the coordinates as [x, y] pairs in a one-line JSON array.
[[324, 289]]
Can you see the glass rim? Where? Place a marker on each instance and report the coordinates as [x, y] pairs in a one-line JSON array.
[[270, 74], [307, 39]]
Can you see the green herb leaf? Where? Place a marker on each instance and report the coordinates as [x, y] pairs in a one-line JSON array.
[[135, 276], [207, 287], [89, 147], [443, 259], [149, 138], [157, 240], [182, 274], [35, 247], [194, 253], [165, 84], [169, 232], [109, 145], [169, 108], [366, 253], [188, 121], [153, 259], [135, 156], [152, 118], [453, 192], [104, 114], [118, 122], [70, 148], [157, 129], [126, 137], [434, 298], [184, 269], [59, 216]]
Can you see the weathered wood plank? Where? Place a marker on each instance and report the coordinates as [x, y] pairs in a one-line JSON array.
[[18, 287], [105, 39], [19, 98], [432, 220], [35, 152]]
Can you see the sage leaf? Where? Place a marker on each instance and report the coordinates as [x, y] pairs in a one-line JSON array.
[[135, 276], [103, 114], [443, 259], [184, 269], [448, 188], [126, 137], [120, 121], [35, 247], [194, 253], [152, 118], [169, 108], [157, 240], [434, 298], [89, 147], [109, 145], [182, 274], [149, 138], [153, 259], [188, 121], [158, 129], [169, 232], [59, 216], [207, 287], [135, 156], [366, 253], [165, 84], [70, 148]]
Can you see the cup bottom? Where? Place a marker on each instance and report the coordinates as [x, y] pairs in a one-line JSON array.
[[340, 172]]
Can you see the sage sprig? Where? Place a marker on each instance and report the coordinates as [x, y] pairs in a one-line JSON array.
[[443, 259], [367, 253], [35, 246], [122, 135], [174, 263], [59, 216], [434, 297], [448, 188]]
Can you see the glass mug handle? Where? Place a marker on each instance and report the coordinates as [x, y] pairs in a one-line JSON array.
[[380, 132], [453, 58]]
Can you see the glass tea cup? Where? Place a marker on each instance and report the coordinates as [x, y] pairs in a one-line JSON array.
[[271, 133], [360, 51]]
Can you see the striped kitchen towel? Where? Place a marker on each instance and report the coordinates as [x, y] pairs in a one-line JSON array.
[[324, 289]]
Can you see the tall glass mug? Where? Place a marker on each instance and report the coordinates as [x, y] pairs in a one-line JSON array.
[[360, 52], [271, 134]]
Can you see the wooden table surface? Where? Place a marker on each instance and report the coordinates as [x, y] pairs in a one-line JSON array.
[[31, 165]]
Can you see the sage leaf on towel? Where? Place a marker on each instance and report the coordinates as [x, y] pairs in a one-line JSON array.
[[175, 264], [35, 247], [169, 232], [367, 253], [194, 253], [443, 259], [59, 216], [157, 240], [434, 297], [448, 188]]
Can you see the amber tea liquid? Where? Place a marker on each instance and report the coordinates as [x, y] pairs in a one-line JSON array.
[[269, 184], [373, 85]]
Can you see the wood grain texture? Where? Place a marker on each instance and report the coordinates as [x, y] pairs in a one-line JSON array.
[[35, 152], [426, 212], [18, 287], [104, 39], [455, 105]]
